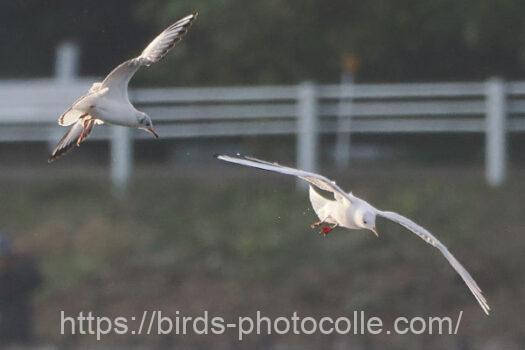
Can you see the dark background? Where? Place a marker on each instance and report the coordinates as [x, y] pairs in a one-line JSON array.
[[195, 235], [274, 41]]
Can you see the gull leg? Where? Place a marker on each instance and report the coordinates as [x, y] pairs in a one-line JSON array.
[[88, 126], [325, 230], [84, 132], [316, 224]]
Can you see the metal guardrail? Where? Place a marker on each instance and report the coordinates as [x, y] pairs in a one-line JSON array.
[[28, 112]]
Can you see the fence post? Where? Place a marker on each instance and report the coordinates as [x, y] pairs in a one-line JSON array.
[[307, 127], [121, 158], [344, 123], [66, 62], [496, 132]]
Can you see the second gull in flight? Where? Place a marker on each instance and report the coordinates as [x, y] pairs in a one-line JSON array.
[[349, 211], [108, 101]]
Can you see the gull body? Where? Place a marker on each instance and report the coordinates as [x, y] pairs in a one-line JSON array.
[[115, 111], [341, 212], [108, 101], [348, 211]]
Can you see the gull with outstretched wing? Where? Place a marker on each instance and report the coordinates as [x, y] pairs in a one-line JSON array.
[[108, 101], [349, 211]]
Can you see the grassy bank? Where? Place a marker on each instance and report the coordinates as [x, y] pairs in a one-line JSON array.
[[241, 242]]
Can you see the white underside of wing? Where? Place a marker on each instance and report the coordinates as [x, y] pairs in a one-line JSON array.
[[262, 165], [82, 106], [70, 117], [430, 239]]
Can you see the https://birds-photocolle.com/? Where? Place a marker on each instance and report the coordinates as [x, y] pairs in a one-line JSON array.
[[351, 212], [108, 101]]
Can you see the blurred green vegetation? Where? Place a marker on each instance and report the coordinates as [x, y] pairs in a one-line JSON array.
[[240, 242], [274, 41]]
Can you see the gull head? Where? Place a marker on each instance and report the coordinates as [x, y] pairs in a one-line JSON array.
[[145, 123], [367, 220]]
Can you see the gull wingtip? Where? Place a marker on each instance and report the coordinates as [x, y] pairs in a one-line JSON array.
[[487, 309]]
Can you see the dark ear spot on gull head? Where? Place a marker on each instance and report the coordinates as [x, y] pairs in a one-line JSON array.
[[146, 124]]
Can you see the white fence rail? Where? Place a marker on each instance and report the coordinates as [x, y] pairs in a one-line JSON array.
[[28, 111], [29, 108]]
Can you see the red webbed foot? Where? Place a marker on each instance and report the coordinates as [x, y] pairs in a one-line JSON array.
[[325, 230]]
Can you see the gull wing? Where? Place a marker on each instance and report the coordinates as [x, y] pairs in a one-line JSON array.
[[318, 201], [430, 239], [74, 136], [119, 78], [321, 207], [81, 106], [317, 180]]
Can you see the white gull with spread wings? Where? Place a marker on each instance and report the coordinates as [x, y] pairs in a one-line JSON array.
[[349, 211], [108, 101]]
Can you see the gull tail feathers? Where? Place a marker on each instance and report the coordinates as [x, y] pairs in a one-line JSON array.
[[74, 137]]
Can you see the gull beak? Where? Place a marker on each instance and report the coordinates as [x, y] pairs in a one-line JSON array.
[[151, 131], [374, 230]]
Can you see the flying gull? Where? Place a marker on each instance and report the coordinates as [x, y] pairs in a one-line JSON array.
[[108, 101], [349, 211]]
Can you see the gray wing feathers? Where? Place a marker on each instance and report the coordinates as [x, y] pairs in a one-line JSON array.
[[68, 141], [430, 239], [315, 179], [119, 77], [74, 137], [154, 52], [164, 42]]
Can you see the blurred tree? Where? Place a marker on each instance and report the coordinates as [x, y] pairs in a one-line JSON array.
[[274, 41], [237, 41], [31, 30]]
